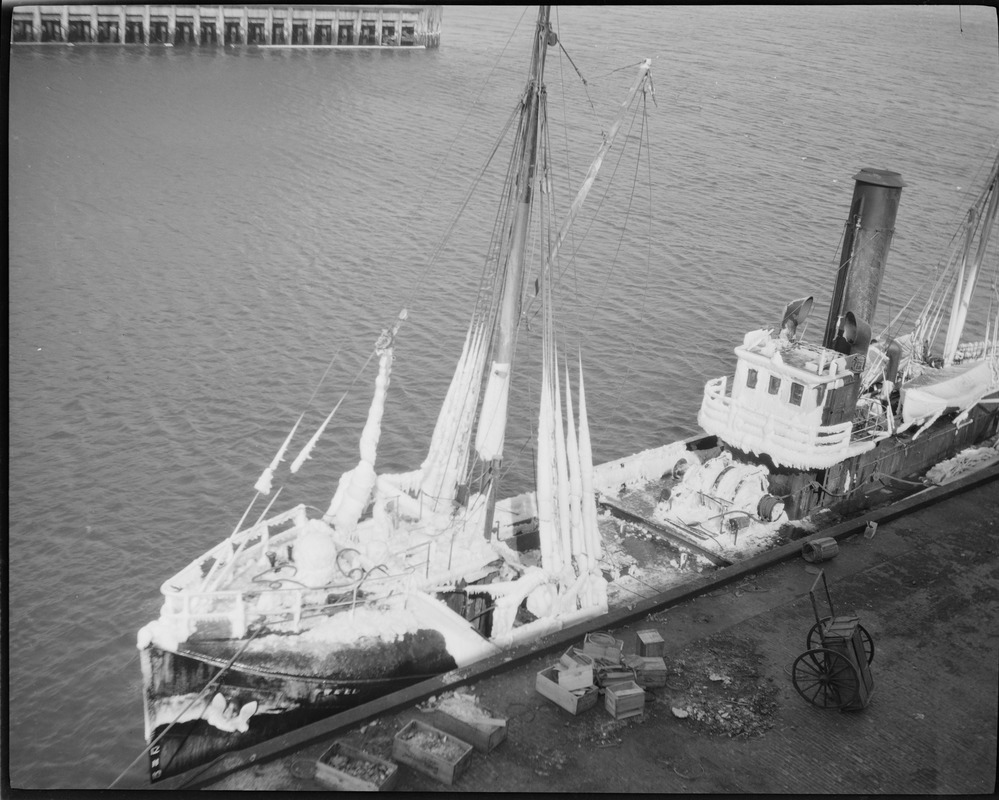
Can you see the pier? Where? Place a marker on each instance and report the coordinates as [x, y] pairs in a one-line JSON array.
[[332, 26]]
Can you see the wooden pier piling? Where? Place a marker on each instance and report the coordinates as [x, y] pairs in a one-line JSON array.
[[333, 26]]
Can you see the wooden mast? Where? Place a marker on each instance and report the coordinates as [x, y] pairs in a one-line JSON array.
[[492, 423]]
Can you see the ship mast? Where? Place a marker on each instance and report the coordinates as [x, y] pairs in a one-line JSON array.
[[492, 419]]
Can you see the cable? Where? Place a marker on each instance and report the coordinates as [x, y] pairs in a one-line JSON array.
[[208, 685]]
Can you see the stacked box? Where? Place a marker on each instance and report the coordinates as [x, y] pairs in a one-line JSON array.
[[431, 751], [650, 643], [575, 701], [348, 769], [624, 700], [650, 672]]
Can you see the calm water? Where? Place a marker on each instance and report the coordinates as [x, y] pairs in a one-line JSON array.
[[193, 234]]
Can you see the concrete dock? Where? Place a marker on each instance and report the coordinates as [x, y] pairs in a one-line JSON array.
[[926, 588]]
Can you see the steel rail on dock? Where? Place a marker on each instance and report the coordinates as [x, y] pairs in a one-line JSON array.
[[204, 776]]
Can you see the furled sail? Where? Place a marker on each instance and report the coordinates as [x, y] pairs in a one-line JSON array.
[[444, 467]]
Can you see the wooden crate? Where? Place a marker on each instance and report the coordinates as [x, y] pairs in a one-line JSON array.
[[574, 670], [483, 734], [343, 767], [624, 700], [446, 768], [575, 701], [614, 675], [603, 645], [651, 644], [650, 673]]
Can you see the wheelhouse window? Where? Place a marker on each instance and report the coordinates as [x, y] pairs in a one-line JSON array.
[[797, 390], [751, 379], [774, 385]]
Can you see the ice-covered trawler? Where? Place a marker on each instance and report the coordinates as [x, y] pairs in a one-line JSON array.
[[405, 576], [803, 426], [302, 614]]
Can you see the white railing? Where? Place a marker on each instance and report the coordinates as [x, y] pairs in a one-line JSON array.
[[787, 440]]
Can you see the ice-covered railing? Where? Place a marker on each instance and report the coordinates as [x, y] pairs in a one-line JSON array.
[[228, 613], [204, 598], [788, 441]]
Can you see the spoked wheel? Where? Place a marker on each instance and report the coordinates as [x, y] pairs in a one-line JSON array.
[[814, 638], [825, 678]]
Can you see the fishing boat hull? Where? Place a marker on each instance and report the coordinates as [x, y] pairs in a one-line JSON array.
[[252, 701]]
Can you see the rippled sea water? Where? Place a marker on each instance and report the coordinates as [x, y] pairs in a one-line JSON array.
[[194, 234]]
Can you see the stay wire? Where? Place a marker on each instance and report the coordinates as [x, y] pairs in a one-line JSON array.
[[200, 694]]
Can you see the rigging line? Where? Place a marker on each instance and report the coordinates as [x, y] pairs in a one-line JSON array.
[[595, 214], [445, 238], [458, 134], [580, 74], [200, 694], [648, 263]]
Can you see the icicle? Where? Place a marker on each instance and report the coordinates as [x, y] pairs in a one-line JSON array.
[[263, 484], [589, 502], [307, 450], [550, 559], [576, 532], [561, 475]]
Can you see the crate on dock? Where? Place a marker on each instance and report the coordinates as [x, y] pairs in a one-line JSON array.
[[574, 669], [604, 646], [625, 700], [431, 751], [650, 672], [614, 675], [483, 733], [650, 643], [348, 769], [575, 701]]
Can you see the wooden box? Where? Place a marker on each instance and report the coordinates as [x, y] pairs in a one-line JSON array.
[[650, 673], [348, 769], [624, 700], [574, 701], [431, 751], [574, 670], [603, 645], [651, 644], [483, 734], [614, 675]]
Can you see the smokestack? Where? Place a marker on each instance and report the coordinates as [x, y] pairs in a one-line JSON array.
[[865, 247]]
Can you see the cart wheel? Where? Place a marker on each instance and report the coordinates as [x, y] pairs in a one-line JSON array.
[[814, 639], [825, 678]]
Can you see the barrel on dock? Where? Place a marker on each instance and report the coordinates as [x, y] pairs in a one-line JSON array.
[[261, 26]]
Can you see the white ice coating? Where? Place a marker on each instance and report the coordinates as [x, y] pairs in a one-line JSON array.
[[263, 484], [355, 487], [594, 590], [561, 477], [546, 490], [492, 419], [577, 534], [448, 452]]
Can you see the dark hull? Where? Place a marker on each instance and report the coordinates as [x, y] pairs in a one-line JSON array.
[[890, 470], [285, 701]]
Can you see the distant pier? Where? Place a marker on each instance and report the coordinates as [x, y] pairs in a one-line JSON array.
[[356, 26]]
